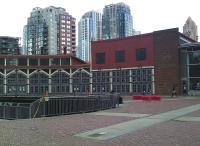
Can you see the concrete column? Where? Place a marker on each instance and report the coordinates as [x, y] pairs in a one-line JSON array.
[[28, 82], [130, 81], [91, 83], [5, 82], [111, 80], [50, 82], [153, 81], [188, 73], [70, 81], [28, 62]]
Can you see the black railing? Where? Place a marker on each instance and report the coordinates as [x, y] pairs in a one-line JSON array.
[[56, 106]]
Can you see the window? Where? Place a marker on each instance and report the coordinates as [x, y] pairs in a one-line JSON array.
[[100, 58], [119, 56], [140, 54], [62, 21]]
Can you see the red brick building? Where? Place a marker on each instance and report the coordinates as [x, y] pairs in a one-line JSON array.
[[141, 64]]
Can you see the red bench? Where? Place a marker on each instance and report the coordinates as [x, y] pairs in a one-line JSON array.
[[146, 97]]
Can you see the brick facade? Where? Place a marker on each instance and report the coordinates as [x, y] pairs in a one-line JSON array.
[[167, 61]]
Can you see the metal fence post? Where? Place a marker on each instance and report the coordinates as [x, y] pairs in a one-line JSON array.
[[30, 110], [4, 112]]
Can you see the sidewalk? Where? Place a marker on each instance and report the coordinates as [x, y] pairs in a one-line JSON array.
[[177, 123]]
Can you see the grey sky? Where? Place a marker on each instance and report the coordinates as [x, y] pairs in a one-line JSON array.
[[148, 15]]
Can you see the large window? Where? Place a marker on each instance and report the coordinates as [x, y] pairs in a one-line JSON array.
[[100, 58], [194, 57], [81, 82], [60, 83], [142, 81], [101, 81], [140, 54], [194, 70], [119, 56]]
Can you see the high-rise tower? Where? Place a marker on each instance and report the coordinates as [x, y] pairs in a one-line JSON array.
[[117, 21], [190, 29], [89, 29], [49, 31]]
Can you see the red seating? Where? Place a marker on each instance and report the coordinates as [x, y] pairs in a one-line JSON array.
[[146, 97]]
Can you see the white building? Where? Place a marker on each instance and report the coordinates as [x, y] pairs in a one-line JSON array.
[[190, 29], [89, 29]]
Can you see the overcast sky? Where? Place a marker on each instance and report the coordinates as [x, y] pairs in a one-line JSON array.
[[148, 15]]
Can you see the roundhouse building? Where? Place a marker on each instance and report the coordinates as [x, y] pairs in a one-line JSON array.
[[37, 74], [142, 64]]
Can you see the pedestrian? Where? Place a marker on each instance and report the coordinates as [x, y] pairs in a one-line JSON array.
[[184, 90], [173, 91]]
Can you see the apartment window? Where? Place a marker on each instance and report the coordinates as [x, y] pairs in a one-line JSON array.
[[119, 56], [68, 22], [68, 26], [140, 54], [63, 21], [100, 58]]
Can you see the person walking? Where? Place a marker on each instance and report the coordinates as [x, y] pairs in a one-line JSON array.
[[173, 91], [184, 89]]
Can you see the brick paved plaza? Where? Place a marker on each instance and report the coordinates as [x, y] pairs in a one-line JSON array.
[[169, 122]]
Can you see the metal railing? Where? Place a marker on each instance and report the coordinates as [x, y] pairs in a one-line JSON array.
[[57, 106]]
